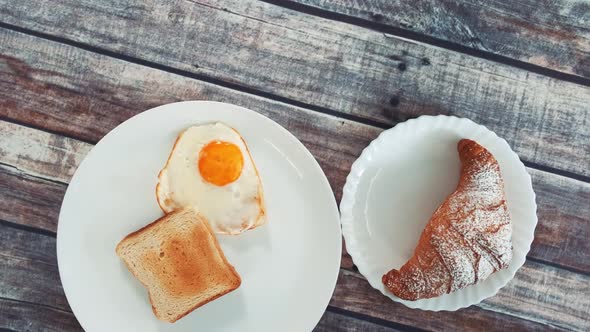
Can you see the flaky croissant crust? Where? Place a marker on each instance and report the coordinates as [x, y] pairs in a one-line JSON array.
[[468, 237]]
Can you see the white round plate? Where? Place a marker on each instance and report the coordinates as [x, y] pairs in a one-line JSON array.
[[288, 266], [402, 177]]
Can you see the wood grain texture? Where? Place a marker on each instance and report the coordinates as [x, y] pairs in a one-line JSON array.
[[551, 34], [354, 293], [332, 321], [326, 64], [50, 87], [29, 200], [55, 157], [28, 268], [30, 317], [550, 289], [563, 229]]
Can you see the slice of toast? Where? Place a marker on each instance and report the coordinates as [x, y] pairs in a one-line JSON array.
[[178, 259]]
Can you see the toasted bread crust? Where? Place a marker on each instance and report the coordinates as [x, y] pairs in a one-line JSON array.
[[234, 280], [140, 231], [202, 302]]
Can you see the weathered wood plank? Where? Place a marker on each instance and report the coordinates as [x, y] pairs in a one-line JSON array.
[[20, 248], [29, 274], [326, 64], [28, 268], [546, 294], [55, 157], [29, 200], [29, 317], [332, 321], [536, 280], [551, 34], [563, 229]]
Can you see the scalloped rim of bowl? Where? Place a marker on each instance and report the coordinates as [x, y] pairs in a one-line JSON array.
[[472, 294]]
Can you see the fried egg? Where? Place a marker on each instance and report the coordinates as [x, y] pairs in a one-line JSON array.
[[210, 169]]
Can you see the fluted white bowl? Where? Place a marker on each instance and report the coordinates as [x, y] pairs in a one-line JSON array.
[[402, 177]]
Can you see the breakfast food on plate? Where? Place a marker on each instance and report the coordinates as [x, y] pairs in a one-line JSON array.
[[211, 169], [468, 237], [177, 258]]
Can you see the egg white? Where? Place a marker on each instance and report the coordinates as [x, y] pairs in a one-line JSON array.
[[230, 209]]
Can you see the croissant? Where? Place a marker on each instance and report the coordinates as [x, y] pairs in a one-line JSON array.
[[468, 237]]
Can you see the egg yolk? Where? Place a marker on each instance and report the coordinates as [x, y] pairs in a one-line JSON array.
[[220, 162]]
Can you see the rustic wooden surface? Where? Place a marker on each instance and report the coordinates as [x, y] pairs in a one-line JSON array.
[[549, 34], [70, 71], [326, 66]]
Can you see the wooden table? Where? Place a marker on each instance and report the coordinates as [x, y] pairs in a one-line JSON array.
[[334, 73]]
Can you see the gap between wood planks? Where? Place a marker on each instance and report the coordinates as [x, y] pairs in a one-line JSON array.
[[374, 320], [556, 171], [412, 35], [240, 88], [28, 228], [36, 304]]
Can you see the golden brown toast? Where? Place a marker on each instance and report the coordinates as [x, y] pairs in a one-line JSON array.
[[178, 259]]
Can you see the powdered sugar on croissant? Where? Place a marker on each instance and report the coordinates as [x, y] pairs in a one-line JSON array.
[[467, 238]]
